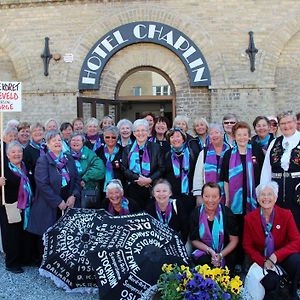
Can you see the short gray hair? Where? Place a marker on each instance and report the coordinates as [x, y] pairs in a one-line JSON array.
[[77, 134], [140, 122], [36, 125], [180, 118], [51, 134], [284, 114], [230, 116], [270, 184], [92, 121], [124, 122], [12, 123], [8, 130], [12, 144], [216, 126], [111, 129], [51, 120], [114, 184]]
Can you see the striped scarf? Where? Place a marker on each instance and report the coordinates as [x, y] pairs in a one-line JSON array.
[[109, 174], [269, 242], [77, 157], [124, 207], [61, 165], [263, 143], [168, 213], [214, 238], [25, 192], [134, 160], [211, 172], [182, 169], [200, 141], [236, 181], [42, 147]]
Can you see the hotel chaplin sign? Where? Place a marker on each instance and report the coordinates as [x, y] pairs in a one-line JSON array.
[[143, 32]]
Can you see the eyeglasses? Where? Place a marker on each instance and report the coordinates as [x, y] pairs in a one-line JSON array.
[[110, 137], [229, 122], [273, 124]]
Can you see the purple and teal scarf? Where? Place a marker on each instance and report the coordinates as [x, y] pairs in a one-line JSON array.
[[25, 192], [61, 165], [200, 141], [168, 213], [97, 139], [124, 208], [77, 157], [211, 173], [214, 238], [269, 242], [42, 147], [134, 160], [182, 169], [109, 174], [236, 181], [263, 143]]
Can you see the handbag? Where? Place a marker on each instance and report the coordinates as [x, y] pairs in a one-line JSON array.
[[253, 284], [89, 198]]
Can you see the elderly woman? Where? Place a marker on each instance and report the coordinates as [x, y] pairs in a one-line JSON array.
[[57, 185], [271, 237], [111, 155], [160, 128], [93, 137], [23, 133], [89, 166], [125, 129], [18, 195], [229, 120], [115, 203], [167, 210], [78, 125], [282, 164], [142, 164], [209, 162], [200, 127], [213, 230], [179, 167], [34, 150], [51, 124], [183, 123], [263, 137], [106, 122]]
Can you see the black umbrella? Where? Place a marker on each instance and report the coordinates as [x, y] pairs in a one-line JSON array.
[[66, 244], [132, 258]]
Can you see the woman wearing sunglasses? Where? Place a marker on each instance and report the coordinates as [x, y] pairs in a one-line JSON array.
[[111, 154], [229, 120]]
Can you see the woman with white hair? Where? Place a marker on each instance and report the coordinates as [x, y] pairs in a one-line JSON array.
[[182, 122], [115, 202], [209, 162], [282, 164], [51, 124], [271, 237], [142, 163], [93, 137], [125, 130], [200, 127]]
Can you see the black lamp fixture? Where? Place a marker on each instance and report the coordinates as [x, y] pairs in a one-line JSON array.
[[46, 56], [251, 51]]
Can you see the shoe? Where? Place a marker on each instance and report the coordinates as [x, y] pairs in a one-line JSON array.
[[15, 270]]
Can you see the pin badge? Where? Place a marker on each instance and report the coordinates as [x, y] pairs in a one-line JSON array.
[[277, 226]]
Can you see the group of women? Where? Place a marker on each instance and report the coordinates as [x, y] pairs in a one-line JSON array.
[[213, 189]]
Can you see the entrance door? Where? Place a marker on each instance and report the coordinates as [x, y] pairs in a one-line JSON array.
[[146, 89], [97, 108]]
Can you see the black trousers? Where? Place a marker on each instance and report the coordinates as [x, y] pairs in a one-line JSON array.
[[292, 266]]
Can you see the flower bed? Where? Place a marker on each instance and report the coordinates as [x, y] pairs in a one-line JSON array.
[[201, 282]]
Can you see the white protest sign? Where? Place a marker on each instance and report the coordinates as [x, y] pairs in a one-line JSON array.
[[10, 96]]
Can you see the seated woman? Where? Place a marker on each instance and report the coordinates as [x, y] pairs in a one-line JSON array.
[[167, 210], [213, 230], [115, 202], [271, 236], [16, 242], [89, 166]]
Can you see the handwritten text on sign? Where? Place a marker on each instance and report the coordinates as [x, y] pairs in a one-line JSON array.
[[10, 96]]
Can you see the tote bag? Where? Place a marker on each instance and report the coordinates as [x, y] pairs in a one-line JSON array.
[[252, 282]]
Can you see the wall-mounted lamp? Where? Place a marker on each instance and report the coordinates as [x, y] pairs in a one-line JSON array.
[[251, 51], [46, 56]]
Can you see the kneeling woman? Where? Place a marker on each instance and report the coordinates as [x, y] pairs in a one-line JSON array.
[[115, 202], [214, 231], [168, 211], [271, 237]]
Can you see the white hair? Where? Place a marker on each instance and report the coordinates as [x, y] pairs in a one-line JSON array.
[[270, 184], [181, 118], [140, 122], [114, 184], [124, 122]]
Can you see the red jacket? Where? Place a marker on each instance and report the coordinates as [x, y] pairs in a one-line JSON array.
[[285, 233]]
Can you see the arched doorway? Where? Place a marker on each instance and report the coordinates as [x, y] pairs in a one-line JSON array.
[[145, 89]]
